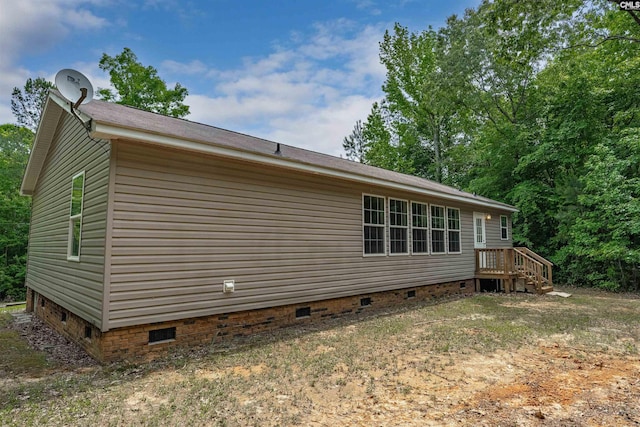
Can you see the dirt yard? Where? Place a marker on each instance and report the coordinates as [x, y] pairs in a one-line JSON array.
[[488, 360]]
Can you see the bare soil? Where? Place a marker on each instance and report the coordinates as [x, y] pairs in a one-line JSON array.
[[481, 361]]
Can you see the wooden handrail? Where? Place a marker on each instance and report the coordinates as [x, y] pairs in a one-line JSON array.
[[546, 270], [520, 261], [534, 255], [530, 268]]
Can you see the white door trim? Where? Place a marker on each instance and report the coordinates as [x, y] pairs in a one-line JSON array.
[[479, 231]]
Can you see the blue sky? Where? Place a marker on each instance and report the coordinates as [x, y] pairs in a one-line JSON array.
[[297, 72]]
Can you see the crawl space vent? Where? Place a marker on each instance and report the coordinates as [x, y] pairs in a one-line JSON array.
[[165, 334], [303, 312]]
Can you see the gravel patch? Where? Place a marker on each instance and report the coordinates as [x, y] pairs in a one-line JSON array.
[[59, 350]]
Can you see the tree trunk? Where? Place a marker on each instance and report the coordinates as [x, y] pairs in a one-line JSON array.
[[437, 152]]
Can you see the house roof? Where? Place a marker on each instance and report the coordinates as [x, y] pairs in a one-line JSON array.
[[118, 122]]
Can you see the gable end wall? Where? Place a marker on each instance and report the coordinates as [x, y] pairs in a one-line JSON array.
[[76, 286]]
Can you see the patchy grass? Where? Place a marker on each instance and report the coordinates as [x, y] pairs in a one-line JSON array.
[[16, 357], [5, 320], [485, 360], [12, 308]]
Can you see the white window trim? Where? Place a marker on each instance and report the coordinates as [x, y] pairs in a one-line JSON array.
[[431, 229], [506, 227], [73, 218], [407, 228], [427, 228], [384, 226], [459, 230]]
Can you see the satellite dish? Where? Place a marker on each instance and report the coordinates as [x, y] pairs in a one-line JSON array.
[[74, 86]]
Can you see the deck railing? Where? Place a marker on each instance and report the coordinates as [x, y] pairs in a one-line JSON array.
[[495, 261], [546, 266], [519, 262]]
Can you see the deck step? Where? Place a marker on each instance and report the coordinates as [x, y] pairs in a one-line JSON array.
[[21, 317], [531, 287]]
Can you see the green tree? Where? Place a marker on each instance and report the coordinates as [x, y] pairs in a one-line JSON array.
[[355, 145], [15, 143], [381, 146], [568, 164], [495, 54], [380, 151], [27, 104], [596, 128], [140, 86], [543, 113], [415, 91], [603, 242], [415, 127]]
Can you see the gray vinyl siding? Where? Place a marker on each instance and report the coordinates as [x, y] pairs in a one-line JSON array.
[[184, 223], [493, 231], [76, 286]]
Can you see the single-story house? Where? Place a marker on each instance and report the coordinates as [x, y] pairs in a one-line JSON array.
[[149, 232]]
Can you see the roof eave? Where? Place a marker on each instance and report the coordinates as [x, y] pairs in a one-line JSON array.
[[109, 132], [44, 136], [54, 107]]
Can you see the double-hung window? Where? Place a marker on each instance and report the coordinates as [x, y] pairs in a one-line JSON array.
[[411, 227], [398, 226], [437, 230], [373, 213], [75, 217], [453, 230], [420, 228], [504, 227]]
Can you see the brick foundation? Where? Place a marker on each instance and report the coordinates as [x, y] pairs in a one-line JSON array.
[[131, 343], [30, 296], [67, 324]]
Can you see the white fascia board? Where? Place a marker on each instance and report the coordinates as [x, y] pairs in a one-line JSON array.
[[60, 101], [41, 142], [66, 106], [51, 113], [105, 131]]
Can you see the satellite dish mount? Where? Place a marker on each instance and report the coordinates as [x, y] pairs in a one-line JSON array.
[[83, 96], [75, 88]]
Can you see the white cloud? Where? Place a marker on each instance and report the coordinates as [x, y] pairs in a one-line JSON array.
[[315, 128], [309, 91], [193, 67], [308, 95], [33, 26], [185, 11], [82, 19], [323, 129], [11, 77], [369, 6]]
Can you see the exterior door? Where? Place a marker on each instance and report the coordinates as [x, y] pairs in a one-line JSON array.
[[480, 237], [479, 231]]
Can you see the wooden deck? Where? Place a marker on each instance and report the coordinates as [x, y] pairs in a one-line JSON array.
[[516, 268]]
